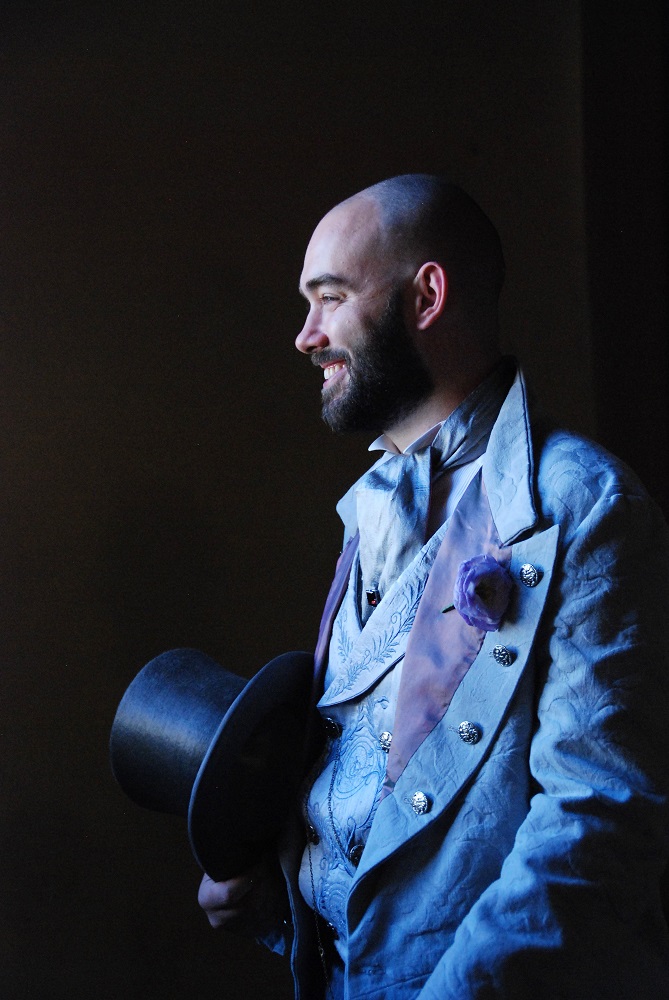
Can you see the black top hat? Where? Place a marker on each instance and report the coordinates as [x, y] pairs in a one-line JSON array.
[[194, 739]]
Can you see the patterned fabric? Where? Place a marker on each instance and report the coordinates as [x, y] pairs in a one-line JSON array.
[[361, 682], [392, 501], [535, 870]]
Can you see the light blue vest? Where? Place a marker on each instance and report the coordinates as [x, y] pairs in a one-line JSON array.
[[361, 685]]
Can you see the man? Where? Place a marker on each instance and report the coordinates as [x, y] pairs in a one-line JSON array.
[[488, 816]]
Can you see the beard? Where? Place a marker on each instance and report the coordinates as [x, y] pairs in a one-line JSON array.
[[387, 378]]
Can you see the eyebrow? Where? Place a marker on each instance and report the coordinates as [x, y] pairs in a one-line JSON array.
[[324, 279]]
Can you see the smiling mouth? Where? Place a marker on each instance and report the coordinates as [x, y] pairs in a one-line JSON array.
[[333, 369]]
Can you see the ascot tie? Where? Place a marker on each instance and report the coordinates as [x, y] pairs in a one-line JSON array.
[[393, 497], [393, 500]]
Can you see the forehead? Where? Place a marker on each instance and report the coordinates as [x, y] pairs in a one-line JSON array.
[[347, 243]]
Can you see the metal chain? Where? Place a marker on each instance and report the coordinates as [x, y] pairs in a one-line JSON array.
[[319, 939], [335, 768], [321, 947]]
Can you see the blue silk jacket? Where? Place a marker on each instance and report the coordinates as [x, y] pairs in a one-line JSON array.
[[535, 869]]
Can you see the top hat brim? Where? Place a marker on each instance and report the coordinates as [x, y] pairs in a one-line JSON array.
[[250, 774]]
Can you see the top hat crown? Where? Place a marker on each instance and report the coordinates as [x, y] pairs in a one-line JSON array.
[[192, 738]]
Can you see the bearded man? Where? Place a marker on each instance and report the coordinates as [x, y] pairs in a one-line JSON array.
[[487, 814]]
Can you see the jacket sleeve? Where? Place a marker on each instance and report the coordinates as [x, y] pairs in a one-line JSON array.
[[575, 911]]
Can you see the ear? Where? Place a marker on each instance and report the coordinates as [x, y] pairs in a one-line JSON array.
[[430, 287]]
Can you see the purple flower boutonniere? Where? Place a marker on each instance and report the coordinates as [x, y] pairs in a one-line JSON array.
[[482, 592]]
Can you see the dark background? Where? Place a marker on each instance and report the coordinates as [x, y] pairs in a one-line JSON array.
[[166, 479]]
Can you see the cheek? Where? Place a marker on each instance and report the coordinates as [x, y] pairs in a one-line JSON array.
[[352, 332]]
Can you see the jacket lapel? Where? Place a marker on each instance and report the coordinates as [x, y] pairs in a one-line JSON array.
[[332, 605], [446, 764], [497, 508], [442, 646]]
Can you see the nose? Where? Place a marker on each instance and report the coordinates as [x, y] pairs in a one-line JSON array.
[[311, 337]]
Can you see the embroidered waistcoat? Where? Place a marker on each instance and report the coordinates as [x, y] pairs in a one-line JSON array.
[[359, 700]]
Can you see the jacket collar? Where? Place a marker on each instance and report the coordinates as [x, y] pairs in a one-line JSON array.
[[463, 423], [508, 466]]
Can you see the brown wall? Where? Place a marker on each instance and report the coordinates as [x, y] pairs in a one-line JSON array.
[[166, 478]]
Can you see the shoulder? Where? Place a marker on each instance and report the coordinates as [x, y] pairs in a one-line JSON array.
[[574, 475], [600, 504]]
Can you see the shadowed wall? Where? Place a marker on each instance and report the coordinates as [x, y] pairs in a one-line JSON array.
[[166, 477]]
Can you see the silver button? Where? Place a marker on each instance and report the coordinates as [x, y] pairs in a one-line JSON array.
[[529, 575], [420, 803], [385, 739], [355, 854], [502, 655], [469, 733]]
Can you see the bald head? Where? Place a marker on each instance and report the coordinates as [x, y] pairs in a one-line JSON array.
[[426, 217]]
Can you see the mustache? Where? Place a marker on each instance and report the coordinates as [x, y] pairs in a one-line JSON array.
[[328, 355]]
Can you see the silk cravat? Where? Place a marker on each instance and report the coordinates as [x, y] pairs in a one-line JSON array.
[[393, 497]]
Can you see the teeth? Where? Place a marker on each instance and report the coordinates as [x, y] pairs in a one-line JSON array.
[[332, 370]]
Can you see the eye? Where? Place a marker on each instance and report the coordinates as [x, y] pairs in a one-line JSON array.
[[326, 297]]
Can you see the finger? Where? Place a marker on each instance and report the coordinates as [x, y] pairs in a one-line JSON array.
[[230, 919], [223, 895]]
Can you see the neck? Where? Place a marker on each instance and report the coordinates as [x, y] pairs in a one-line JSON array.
[[436, 407]]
